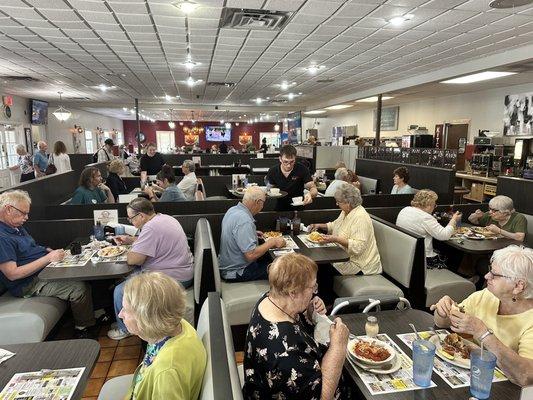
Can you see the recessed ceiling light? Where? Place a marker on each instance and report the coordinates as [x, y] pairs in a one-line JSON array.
[[191, 82], [186, 6], [313, 69], [373, 99], [124, 109], [190, 64], [168, 97], [314, 112], [339, 107], [259, 100], [481, 76], [290, 96], [103, 87], [400, 19]]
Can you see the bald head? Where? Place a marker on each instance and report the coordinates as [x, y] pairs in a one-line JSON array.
[[254, 199]]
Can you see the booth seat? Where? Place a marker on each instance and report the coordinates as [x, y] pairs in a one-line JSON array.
[[28, 320], [529, 237], [440, 282]]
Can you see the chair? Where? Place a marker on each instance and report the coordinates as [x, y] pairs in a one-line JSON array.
[[342, 303], [440, 282]]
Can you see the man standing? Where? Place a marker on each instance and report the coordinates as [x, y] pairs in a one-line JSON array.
[[21, 260], [152, 161], [189, 181], [40, 159], [291, 177], [240, 253], [105, 154]]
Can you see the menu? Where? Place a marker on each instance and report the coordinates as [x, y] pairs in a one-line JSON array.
[[399, 381], [455, 377], [313, 245], [58, 384]]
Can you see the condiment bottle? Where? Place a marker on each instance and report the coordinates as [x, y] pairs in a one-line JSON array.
[[371, 327]]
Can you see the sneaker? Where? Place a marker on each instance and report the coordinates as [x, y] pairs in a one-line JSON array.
[[117, 334], [114, 325]]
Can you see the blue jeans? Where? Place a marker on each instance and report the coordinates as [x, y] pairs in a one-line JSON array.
[[118, 294], [254, 271]]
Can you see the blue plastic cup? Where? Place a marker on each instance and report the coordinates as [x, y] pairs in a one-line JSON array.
[[120, 230], [481, 373], [423, 355]]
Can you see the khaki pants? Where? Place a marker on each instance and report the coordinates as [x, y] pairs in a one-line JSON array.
[[78, 294]]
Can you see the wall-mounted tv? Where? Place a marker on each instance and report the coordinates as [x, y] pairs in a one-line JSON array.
[[217, 134], [38, 112]]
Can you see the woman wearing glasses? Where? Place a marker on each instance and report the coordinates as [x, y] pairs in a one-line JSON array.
[[282, 359], [502, 219], [500, 316]]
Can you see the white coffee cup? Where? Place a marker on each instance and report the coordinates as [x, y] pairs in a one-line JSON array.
[[297, 200], [274, 191]]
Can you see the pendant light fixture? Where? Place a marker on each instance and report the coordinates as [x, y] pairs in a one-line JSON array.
[[62, 114], [171, 124], [227, 125]]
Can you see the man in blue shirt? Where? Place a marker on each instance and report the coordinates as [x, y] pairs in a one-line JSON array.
[[21, 260], [40, 160], [239, 250]]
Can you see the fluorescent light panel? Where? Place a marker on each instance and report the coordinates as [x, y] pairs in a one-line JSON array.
[[373, 99], [314, 112], [339, 107], [481, 76]]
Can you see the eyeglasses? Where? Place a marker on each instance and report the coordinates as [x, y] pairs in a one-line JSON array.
[[314, 287], [132, 218], [493, 210], [20, 211], [495, 275], [288, 162]]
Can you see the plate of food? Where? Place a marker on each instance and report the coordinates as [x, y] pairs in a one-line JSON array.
[[371, 352], [315, 237], [271, 234], [482, 230], [453, 349], [389, 368], [463, 230], [111, 251], [474, 236]]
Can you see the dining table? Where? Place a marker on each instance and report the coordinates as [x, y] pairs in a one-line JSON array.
[[393, 322], [479, 246], [320, 255]]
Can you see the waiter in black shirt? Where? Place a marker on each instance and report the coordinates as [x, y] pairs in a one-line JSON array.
[[152, 161], [291, 177]]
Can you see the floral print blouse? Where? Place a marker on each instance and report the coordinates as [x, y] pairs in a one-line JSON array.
[[26, 164], [282, 360]]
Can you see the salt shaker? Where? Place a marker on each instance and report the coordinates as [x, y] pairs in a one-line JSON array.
[[371, 327]]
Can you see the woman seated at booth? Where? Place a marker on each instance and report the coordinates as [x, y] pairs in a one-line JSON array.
[[91, 190], [114, 181], [166, 180], [282, 360], [500, 316], [174, 364], [502, 219], [341, 176], [400, 179]]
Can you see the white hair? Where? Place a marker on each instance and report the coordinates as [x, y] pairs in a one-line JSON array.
[[190, 165], [20, 147], [14, 197], [347, 193], [516, 262], [502, 203], [253, 193], [40, 144], [342, 174]]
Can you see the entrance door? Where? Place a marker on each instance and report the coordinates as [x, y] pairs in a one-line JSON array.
[[165, 141], [455, 137]]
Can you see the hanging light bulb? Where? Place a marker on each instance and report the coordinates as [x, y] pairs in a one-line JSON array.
[[227, 125], [62, 114], [171, 124], [276, 127]]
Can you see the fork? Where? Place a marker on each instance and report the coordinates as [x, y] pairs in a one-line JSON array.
[[434, 332]]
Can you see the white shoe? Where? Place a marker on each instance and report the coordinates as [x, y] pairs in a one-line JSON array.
[[114, 325], [117, 334]]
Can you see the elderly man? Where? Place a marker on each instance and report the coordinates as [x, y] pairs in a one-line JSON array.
[[40, 159], [161, 246], [341, 176], [105, 153], [240, 253], [189, 181], [21, 260]]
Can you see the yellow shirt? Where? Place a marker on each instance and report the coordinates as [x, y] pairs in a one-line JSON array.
[[515, 331], [357, 228], [177, 371]]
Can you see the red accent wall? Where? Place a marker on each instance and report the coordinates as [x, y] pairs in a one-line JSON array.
[[149, 129]]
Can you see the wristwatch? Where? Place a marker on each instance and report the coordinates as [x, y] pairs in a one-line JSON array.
[[489, 332]]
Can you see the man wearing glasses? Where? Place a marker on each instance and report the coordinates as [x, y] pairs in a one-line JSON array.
[[292, 177], [21, 260]]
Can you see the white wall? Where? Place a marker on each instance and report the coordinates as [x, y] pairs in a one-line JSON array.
[[484, 109]]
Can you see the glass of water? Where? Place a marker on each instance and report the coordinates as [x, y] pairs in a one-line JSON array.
[[423, 355]]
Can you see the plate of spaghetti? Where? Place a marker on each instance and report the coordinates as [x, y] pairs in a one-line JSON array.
[[371, 351]]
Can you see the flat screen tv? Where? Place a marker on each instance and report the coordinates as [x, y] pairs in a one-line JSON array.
[[217, 134], [38, 112]]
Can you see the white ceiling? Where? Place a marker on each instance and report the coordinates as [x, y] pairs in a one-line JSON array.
[[139, 45]]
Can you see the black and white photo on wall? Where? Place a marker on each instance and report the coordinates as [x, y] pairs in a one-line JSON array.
[[29, 140], [518, 114], [389, 118]]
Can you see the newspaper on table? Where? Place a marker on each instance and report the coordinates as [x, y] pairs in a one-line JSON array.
[[290, 246], [5, 355], [311, 245], [454, 376], [58, 384], [399, 381], [74, 260]]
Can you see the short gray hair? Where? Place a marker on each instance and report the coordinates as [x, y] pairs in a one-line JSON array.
[[253, 193], [14, 197], [516, 262], [40, 144], [20, 147], [347, 193], [342, 174], [190, 165], [502, 203]]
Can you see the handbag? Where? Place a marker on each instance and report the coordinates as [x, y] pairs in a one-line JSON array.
[[51, 168]]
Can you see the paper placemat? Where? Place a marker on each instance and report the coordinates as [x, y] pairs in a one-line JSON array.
[[454, 376], [399, 381], [312, 245], [73, 261], [5, 355]]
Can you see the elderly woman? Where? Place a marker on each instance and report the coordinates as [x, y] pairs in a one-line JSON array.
[[166, 180], [400, 179], [418, 218], [353, 230], [342, 175], [114, 181], [500, 316], [91, 190], [24, 163], [188, 184], [502, 219], [174, 364], [282, 359]]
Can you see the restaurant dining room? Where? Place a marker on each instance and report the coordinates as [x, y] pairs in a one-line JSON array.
[[265, 199]]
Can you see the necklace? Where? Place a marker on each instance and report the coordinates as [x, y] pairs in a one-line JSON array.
[[281, 309]]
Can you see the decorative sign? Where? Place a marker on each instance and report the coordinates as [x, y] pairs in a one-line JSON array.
[[389, 119], [518, 114], [7, 101], [191, 140], [245, 139]]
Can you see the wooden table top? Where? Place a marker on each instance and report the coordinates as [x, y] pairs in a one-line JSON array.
[[51, 355], [320, 255], [396, 322], [88, 272]]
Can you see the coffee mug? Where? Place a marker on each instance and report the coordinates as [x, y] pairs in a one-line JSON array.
[[297, 200], [274, 191]]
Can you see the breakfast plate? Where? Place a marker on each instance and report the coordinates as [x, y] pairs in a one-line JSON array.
[[315, 237], [453, 349], [271, 234], [111, 251]]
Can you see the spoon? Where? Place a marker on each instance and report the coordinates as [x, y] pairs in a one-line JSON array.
[[415, 331]]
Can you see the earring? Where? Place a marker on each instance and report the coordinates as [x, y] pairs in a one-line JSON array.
[[514, 299]]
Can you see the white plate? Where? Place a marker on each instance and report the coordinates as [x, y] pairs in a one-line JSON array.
[[297, 204], [457, 361], [477, 236], [366, 361], [120, 248], [274, 195], [395, 365]]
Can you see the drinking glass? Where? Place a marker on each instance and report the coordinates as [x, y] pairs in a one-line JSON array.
[[120, 230], [423, 355], [481, 373]]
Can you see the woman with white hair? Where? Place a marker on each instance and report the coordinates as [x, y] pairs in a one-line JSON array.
[[25, 164], [502, 219], [500, 316], [341, 176], [188, 184]]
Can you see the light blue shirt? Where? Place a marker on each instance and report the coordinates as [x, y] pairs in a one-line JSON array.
[[402, 190], [238, 236], [41, 160], [172, 193]]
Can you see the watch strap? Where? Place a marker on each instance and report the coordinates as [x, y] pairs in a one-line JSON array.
[[487, 333]]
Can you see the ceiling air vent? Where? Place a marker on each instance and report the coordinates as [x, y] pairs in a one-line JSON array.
[[19, 78], [325, 80], [77, 98], [278, 101], [243, 18], [219, 84]]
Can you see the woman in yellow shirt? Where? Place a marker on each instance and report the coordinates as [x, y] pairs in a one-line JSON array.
[[500, 316]]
